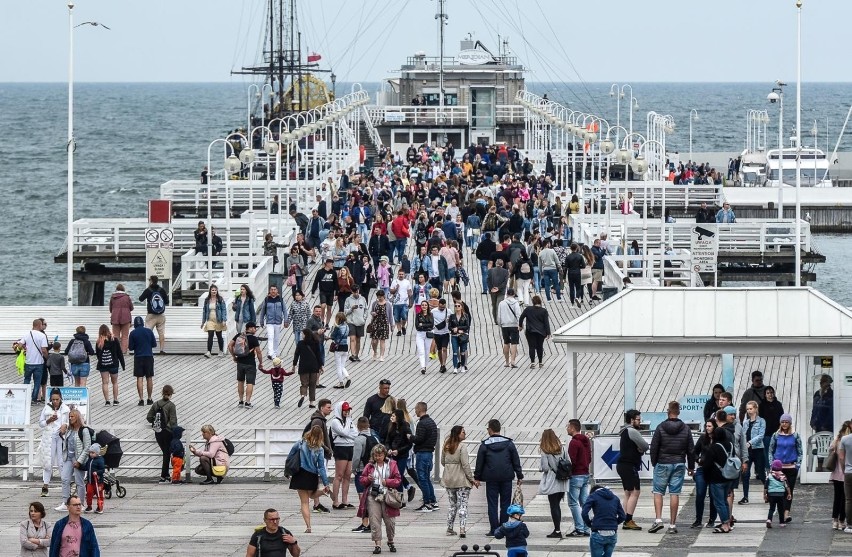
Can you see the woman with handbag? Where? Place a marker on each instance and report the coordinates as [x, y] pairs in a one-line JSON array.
[[457, 479], [838, 507], [213, 459], [295, 265], [381, 498], [311, 471], [552, 451], [423, 325], [459, 325], [786, 446]]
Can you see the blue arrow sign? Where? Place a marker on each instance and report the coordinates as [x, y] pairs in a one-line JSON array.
[[610, 456]]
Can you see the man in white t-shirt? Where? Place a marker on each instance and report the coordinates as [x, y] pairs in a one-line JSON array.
[[402, 296], [34, 342]]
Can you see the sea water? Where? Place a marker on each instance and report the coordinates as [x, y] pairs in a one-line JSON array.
[[132, 137]]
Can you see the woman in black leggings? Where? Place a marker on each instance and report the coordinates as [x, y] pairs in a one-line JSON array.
[[538, 328], [551, 452]]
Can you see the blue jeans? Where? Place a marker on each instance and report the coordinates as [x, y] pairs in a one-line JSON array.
[[550, 276], [767, 439], [33, 372], [497, 511], [578, 490], [400, 314], [458, 349], [399, 246], [755, 461], [537, 279], [80, 370], [719, 495], [297, 335], [483, 267], [701, 496], [402, 465], [602, 546], [423, 465]]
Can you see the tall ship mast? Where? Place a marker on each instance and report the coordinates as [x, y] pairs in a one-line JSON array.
[[290, 78]]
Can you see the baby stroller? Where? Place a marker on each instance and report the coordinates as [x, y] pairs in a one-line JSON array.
[[112, 453]]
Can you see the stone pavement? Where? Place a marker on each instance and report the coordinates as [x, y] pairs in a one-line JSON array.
[[214, 521]]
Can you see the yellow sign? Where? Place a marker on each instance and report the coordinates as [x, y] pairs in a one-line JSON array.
[[827, 361]]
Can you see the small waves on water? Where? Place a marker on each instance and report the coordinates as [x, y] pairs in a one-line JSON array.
[[133, 137]]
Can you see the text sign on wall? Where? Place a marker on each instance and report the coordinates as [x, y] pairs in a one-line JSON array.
[[704, 247], [15, 405], [606, 452], [692, 408]]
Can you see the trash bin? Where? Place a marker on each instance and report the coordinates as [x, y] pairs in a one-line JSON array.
[[276, 279], [607, 291]]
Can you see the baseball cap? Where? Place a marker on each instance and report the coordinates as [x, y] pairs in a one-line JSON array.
[[730, 410], [346, 406]]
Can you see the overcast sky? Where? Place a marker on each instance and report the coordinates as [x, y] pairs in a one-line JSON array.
[[365, 40]]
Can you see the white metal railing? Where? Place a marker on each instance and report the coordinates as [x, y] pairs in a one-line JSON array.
[[755, 236], [371, 129], [684, 196], [510, 113], [616, 268], [402, 114]]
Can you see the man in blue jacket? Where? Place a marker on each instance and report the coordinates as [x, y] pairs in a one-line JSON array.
[[497, 464], [74, 533], [608, 514], [141, 344]]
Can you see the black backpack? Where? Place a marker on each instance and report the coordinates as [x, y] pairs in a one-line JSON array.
[[293, 465], [564, 468], [229, 446], [91, 433], [368, 447]]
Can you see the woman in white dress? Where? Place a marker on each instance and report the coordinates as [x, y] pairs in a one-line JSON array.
[[54, 422]]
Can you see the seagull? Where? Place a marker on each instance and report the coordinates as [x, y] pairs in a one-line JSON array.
[[93, 24]]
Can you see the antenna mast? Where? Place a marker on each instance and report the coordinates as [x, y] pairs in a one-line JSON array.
[[441, 16]]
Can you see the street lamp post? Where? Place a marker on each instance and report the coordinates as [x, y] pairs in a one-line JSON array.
[[777, 95], [693, 116], [798, 141]]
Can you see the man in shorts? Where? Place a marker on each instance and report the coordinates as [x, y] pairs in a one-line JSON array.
[[402, 296], [631, 449], [508, 312], [141, 343], [246, 362], [156, 299], [671, 446], [356, 312]]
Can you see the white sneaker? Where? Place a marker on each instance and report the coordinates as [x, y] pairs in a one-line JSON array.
[[207, 354], [464, 369], [847, 530], [455, 370], [222, 354], [62, 508]]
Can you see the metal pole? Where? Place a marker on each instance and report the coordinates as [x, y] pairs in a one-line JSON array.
[[780, 153], [798, 140], [69, 294]]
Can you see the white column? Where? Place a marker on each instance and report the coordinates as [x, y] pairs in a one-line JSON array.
[[571, 384], [629, 381]]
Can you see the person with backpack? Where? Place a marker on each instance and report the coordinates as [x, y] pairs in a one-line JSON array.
[[342, 434], [713, 460], [310, 471], [786, 446], [361, 449], [245, 351], [214, 458], [110, 356], [556, 473], [163, 419], [157, 299], [141, 344], [78, 352]]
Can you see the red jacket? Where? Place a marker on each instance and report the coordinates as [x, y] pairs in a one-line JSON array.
[[399, 226], [580, 453]]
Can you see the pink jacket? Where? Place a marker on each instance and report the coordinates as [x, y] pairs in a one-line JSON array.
[[120, 308], [837, 473], [215, 450], [393, 482]]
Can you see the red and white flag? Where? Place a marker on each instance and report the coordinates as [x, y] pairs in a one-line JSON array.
[[314, 57]]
